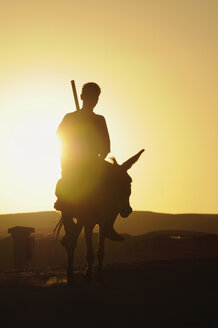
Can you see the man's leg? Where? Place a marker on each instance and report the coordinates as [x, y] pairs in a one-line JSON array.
[[109, 230]]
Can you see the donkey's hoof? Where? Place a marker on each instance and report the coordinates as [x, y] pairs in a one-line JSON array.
[[70, 282], [100, 279], [70, 277], [88, 277]]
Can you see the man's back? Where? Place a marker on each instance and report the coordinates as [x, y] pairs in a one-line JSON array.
[[84, 138]]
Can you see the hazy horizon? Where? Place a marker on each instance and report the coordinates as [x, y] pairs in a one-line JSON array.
[[138, 223], [146, 211]]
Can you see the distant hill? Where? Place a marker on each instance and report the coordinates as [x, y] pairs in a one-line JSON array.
[[43, 222], [138, 223]]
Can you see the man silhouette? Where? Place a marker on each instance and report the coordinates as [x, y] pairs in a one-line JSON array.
[[84, 134], [85, 144]]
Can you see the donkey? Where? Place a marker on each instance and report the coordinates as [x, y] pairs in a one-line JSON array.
[[112, 199]]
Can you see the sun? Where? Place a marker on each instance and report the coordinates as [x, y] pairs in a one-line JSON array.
[[33, 151]]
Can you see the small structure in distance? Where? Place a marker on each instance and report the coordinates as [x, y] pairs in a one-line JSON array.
[[23, 245]]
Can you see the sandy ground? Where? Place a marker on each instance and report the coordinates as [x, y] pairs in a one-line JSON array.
[[174, 293]]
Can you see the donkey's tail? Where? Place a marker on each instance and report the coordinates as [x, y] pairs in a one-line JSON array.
[[57, 229]]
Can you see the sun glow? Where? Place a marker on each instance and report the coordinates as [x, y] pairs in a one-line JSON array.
[[33, 151]]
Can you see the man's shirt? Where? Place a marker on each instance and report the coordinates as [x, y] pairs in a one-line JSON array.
[[84, 136]]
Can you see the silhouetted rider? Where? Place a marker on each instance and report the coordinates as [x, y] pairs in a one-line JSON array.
[[85, 144], [84, 134]]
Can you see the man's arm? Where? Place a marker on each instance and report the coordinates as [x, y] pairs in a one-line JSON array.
[[64, 126]]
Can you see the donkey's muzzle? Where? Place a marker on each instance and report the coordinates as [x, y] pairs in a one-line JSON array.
[[126, 212]]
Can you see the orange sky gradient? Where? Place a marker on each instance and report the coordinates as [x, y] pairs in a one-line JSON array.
[[156, 62]]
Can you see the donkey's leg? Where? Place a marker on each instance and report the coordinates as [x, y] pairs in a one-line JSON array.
[[69, 228], [100, 255], [90, 254], [71, 249], [72, 231]]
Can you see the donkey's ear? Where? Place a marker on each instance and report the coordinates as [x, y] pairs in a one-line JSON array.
[[127, 165]]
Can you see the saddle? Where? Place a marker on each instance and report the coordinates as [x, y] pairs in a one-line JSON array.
[[85, 188]]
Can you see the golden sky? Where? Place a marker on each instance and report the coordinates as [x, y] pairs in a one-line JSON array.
[[156, 62]]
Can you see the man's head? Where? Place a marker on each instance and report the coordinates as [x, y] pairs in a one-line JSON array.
[[90, 94]]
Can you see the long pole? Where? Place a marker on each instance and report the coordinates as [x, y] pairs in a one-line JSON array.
[[75, 95]]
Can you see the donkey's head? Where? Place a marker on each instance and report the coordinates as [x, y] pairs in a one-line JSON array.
[[125, 185]]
